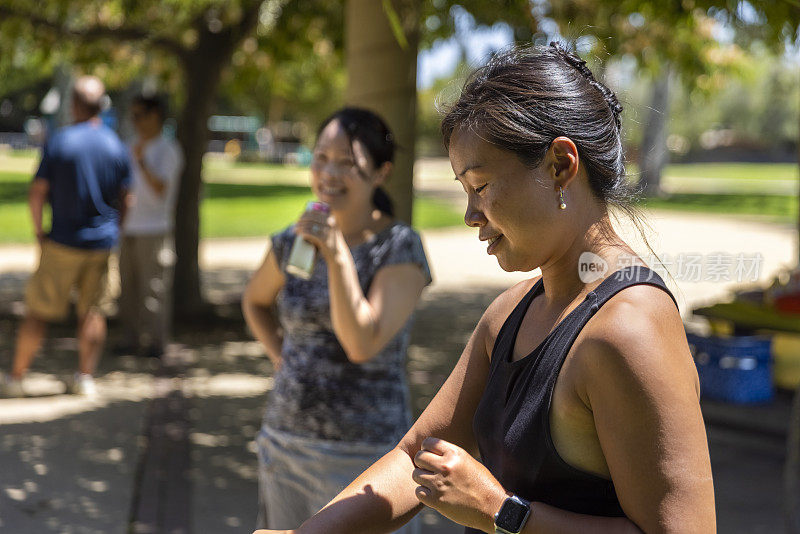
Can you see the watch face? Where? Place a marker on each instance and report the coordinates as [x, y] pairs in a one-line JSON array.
[[511, 515]]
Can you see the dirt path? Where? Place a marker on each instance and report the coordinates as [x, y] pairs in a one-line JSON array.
[[458, 259], [69, 463]]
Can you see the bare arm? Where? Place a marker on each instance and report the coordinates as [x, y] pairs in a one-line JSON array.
[[642, 388], [648, 420], [383, 497], [258, 306], [644, 399], [157, 183], [37, 196], [363, 324], [125, 202]]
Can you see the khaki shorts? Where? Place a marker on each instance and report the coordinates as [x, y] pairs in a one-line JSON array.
[[61, 270]]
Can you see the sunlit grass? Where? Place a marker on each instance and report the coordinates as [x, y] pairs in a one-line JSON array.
[[734, 171], [781, 208], [256, 199], [228, 210]]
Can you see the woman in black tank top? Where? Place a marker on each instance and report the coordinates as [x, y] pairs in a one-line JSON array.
[[577, 390]]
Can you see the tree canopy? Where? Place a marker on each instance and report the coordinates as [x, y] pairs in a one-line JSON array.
[[284, 58]]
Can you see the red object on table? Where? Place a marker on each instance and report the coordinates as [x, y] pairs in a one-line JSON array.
[[788, 304]]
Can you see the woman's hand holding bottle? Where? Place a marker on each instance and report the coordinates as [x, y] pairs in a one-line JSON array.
[[319, 228]]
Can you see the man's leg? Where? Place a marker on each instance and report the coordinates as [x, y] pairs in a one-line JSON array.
[[46, 299], [155, 268], [92, 300], [91, 337], [29, 339], [129, 300]]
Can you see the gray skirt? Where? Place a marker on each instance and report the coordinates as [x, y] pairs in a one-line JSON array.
[[298, 476]]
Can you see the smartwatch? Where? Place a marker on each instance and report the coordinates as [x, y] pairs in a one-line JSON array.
[[512, 515]]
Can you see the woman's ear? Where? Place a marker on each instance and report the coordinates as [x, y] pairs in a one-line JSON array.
[[563, 161]]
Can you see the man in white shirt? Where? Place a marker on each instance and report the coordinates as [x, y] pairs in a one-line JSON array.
[[147, 252]]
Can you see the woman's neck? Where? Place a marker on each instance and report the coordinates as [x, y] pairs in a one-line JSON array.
[[356, 226], [591, 257]]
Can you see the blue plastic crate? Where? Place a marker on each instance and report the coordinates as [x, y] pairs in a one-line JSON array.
[[733, 369]]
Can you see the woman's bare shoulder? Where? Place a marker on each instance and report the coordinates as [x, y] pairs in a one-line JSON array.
[[637, 306], [641, 329], [501, 307], [506, 301]]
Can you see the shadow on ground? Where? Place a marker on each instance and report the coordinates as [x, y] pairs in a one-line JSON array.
[[68, 465]]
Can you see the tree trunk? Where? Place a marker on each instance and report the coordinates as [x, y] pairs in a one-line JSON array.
[[202, 68], [193, 138], [202, 73], [653, 153], [382, 76]]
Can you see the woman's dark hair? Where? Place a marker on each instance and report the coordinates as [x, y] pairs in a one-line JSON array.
[[525, 97], [152, 103], [371, 131]]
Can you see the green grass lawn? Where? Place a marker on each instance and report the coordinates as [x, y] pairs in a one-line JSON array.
[[725, 171], [228, 209], [252, 199], [733, 171], [237, 210], [221, 171], [778, 208]]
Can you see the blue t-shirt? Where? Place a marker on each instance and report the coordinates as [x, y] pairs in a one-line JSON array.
[[87, 167]]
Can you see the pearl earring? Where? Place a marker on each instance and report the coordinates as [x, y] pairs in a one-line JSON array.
[[562, 205]]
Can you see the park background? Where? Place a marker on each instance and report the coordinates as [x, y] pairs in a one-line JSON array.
[[711, 97]]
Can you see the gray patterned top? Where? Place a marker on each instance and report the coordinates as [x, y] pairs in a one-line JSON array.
[[318, 393]]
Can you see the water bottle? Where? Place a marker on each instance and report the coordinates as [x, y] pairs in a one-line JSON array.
[[304, 254]]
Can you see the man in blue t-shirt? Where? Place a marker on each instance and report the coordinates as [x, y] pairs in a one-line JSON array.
[[84, 175]]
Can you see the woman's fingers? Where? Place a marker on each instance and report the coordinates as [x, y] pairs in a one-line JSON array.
[[428, 461], [317, 228], [424, 495], [314, 217], [436, 445], [314, 232], [423, 477]]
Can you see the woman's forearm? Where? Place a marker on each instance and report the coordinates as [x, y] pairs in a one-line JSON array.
[[265, 328], [545, 519], [380, 500], [352, 316], [158, 186]]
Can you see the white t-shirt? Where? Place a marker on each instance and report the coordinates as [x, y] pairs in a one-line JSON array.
[[152, 213]]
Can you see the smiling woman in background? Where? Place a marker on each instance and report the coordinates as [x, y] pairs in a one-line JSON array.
[[578, 394], [338, 340]]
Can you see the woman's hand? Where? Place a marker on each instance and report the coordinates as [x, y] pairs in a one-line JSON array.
[[320, 229], [274, 532], [457, 485]]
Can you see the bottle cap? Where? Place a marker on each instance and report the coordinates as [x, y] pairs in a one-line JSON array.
[[316, 205]]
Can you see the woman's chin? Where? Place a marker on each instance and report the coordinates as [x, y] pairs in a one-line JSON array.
[[511, 266], [504, 264]]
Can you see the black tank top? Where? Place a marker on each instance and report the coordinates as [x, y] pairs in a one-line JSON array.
[[512, 421]]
